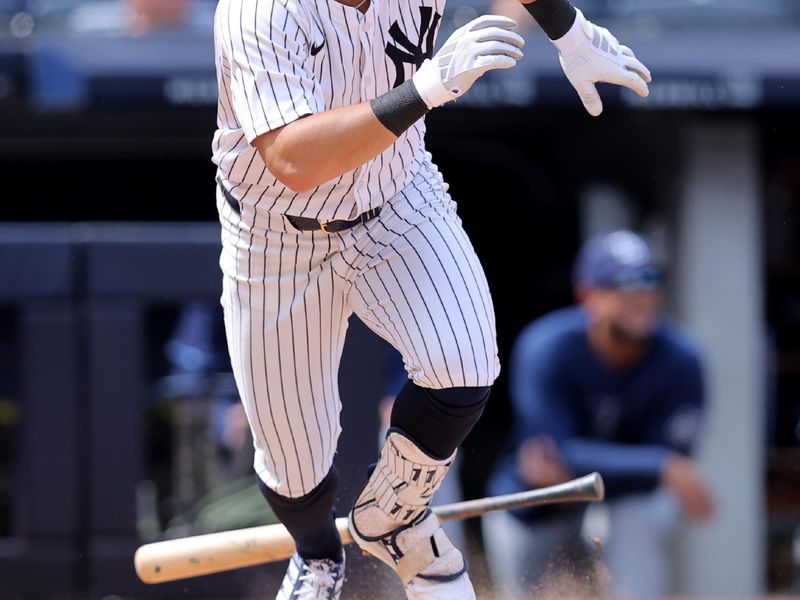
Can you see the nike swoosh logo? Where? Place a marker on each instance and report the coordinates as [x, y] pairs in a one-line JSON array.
[[315, 49]]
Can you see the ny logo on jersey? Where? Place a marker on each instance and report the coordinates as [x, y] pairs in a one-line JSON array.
[[403, 51]]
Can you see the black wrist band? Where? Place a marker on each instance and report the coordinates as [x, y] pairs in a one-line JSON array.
[[400, 108], [555, 17]]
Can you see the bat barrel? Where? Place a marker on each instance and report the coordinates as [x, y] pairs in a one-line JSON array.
[[170, 560], [584, 489]]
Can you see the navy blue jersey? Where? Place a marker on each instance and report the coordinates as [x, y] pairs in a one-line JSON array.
[[620, 422]]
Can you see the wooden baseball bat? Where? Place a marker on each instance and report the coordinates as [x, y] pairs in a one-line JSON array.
[[170, 560]]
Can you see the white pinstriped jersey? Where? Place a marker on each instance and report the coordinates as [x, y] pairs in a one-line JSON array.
[[279, 60], [410, 274]]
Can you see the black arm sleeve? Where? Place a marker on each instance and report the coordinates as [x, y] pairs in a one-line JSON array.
[[555, 17], [400, 108]]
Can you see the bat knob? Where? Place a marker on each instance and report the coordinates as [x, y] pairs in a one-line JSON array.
[[598, 485]]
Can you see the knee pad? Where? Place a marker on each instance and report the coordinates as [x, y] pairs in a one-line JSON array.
[[460, 402], [438, 420]]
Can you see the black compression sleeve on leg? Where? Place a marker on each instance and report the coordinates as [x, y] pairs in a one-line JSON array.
[[438, 420], [310, 518], [400, 108], [555, 17]]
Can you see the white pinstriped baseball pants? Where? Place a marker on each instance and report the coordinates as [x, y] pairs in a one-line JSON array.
[[410, 274]]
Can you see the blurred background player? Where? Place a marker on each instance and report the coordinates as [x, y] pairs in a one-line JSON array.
[[608, 386]]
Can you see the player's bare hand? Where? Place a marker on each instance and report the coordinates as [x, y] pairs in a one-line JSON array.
[[682, 477], [481, 45], [590, 54], [539, 463]]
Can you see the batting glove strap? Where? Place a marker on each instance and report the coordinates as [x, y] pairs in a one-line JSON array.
[[581, 31], [430, 88]]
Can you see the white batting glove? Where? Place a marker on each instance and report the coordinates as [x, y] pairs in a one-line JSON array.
[[590, 54], [479, 46]]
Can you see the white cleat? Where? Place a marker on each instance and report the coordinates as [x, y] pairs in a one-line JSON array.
[[428, 564], [313, 579]]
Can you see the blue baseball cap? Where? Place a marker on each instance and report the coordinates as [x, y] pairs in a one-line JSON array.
[[618, 260]]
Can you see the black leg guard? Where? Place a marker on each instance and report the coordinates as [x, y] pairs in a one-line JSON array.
[[310, 519], [438, 420]]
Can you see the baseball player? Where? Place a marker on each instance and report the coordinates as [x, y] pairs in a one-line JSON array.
[[608, 385], [329, 206]]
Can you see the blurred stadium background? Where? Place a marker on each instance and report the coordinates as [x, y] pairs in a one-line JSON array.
[[109, 432]]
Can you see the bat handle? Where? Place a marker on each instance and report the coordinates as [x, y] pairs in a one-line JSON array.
[[589, 488], [344, 530]]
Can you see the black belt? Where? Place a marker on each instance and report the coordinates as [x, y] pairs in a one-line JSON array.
[[308, 224], [232, 202]]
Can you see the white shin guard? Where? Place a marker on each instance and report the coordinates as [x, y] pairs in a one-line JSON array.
[[392, 522]]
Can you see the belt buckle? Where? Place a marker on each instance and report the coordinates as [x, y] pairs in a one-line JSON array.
[[324, 227]]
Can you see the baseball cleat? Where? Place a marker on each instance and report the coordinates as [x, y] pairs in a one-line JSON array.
[[421, 554], [312, 579]]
